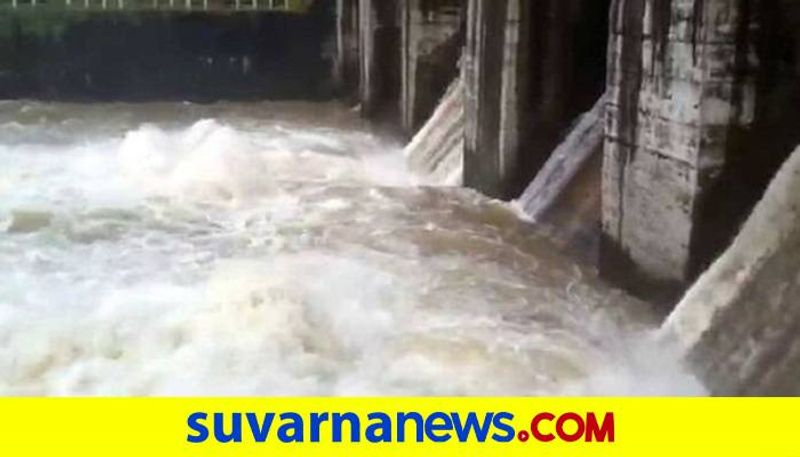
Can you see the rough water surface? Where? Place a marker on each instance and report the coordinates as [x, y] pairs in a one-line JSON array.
[[281, 249]]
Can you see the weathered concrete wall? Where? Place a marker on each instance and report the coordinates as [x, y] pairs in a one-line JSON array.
[[531, 68], [433, 36], [740, 323], [436, 153], [346, 72], [483, 70], [398, 57], [564, 198], [685, 84], [674, 102], [380, 49], [582, 142], [572, 222]]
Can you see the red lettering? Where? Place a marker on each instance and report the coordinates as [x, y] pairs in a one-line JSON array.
[[542, 437], [561, 428], [600, 433], [573, 427]]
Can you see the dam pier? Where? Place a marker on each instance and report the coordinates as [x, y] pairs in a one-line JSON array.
[[687, 105], [701, 100]]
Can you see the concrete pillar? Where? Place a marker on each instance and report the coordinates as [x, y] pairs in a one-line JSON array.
[[680, 88], [485, 63], [514, 99], [346, 67], [432, 43], [379, 86]]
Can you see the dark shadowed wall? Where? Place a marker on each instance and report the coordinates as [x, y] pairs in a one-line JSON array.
[[185, 56]]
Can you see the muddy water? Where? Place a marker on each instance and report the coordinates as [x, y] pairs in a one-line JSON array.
[[272, 249]]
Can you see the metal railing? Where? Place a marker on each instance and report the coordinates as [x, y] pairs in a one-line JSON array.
[[289, 6]]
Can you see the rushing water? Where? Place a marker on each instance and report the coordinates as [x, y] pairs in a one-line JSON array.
[[273, 249]]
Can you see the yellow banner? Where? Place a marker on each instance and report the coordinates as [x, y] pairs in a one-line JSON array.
[[400, 427]]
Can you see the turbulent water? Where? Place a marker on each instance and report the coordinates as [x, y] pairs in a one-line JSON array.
[[272, 249]]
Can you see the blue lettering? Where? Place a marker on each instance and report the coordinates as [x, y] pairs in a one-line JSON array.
[[381, 423], [260, 431], [316, 425], [471, 425], [195, 425], [402, 418], [502, 422], [292, 423], [445, 424], [355, 427], [235, 435]]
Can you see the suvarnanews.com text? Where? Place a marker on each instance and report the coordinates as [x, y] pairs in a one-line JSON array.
[[401, 427]]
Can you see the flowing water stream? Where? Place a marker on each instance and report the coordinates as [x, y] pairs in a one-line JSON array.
[[281, 249]]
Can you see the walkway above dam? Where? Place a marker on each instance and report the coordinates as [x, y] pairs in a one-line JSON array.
[[211, 6]]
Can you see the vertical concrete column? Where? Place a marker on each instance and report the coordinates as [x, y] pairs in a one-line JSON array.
[[516, 82], [367, 67], [412, 26], [346, 70], [680, 88], [494, 67], [380, 55], [432, 43]]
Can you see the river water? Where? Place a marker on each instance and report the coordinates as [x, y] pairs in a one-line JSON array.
[[282, 249]]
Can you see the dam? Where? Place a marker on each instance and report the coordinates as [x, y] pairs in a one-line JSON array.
[[399, 197], [206, 6]]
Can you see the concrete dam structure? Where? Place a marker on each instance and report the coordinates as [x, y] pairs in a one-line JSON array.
[[700, 110], [452, 197]]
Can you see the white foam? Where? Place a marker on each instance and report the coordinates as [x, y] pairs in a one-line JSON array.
[[217, 259]]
